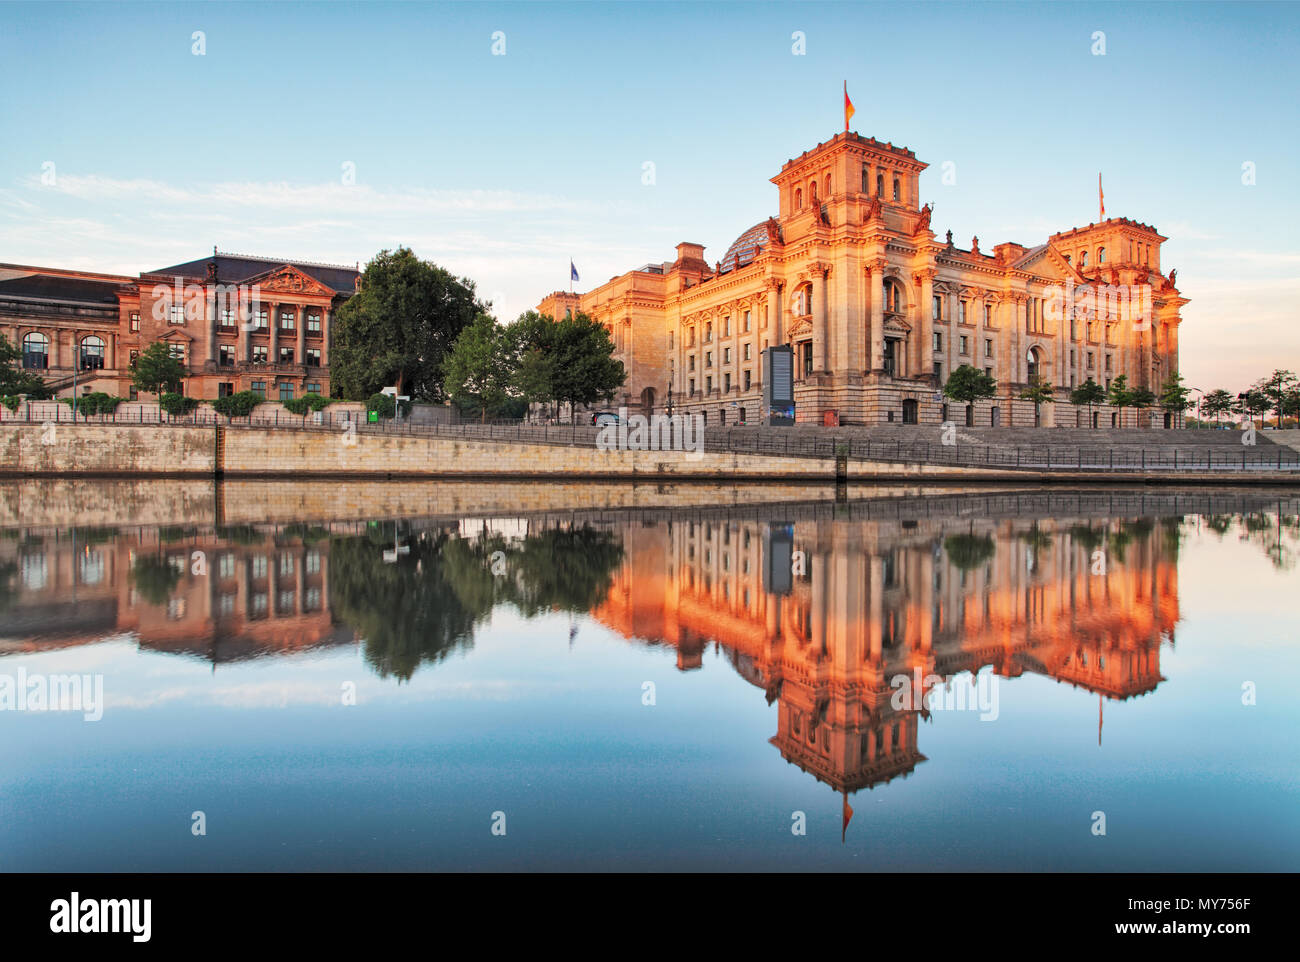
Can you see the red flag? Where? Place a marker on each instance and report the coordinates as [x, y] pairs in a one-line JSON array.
[[848, 107]]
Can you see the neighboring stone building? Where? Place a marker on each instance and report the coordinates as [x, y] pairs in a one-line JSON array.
[[879, 311], [278, 346]]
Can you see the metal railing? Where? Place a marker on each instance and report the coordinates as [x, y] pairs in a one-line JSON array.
[[758, 441]]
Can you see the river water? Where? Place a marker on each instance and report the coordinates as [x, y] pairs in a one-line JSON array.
[[1002, 680]]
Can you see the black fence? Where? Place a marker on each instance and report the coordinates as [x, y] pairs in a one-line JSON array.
[[1165, 456]]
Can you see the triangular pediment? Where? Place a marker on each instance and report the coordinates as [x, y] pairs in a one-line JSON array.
[[287, 279], [1047, 262], [176, 334]]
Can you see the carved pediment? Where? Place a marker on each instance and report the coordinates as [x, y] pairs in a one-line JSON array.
[[289, 280], [800, 327], [895, 324]]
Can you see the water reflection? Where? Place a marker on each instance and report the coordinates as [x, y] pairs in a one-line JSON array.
[[821, 607]]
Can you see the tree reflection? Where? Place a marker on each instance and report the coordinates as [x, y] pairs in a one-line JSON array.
[[424, 601]]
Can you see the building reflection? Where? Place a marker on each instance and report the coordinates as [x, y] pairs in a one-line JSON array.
[[821, 615], [222, 597]]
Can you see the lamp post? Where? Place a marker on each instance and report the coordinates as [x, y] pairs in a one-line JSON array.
[[1198, 404]]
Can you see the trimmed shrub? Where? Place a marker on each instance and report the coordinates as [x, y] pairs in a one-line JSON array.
[[11, 401], [177, 404], [96, 403], [302, 405], [237, 405]]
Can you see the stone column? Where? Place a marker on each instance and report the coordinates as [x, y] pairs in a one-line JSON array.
[[954, 332], [876, 292], [326, 336], [822, 319], [775, 288], [300, 355], [212, 328], [924, 354], [110, 351]]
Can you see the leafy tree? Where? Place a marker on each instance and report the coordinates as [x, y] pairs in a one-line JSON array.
[[968, 384], [530, 343], [583, 367], [1141, 398], [1217, 403], [156, 371], [1040, 391], [1275, 388], [479, 368], [398, 329], [177, 404], [1175, 398], [1120, 396], [14, 379], [1253, 402], [1291, 403], [1089, 393]]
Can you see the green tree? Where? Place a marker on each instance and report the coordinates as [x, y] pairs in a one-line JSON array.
[[1175, 398], [1089, 393], [479, 369], [1291, 403], [1040, 391], [530, 344], [1275, 388], [1253, 402], [1120, 396], [1141, 398], [969, 384], [14, 380], [398, 329], [583, 367], [969, 551], [1217, 403], [156, 371]]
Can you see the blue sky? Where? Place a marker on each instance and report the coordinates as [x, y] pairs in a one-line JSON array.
[[502, 167]]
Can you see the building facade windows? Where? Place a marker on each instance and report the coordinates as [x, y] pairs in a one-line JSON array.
[[36, 351], [92, 353]]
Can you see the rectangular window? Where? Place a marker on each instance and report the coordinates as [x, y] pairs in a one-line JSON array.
[[936, 308], [747, 379], [1107, 363], [1090, 365], [670, 340], [690, 362], [690, 337], [135, 356], [748, 347], [286, 392], [313, 323], [286, 355], [227, 317], [259, 353], [961, 312], [726, 381], [177, 314], [313, 357], [135, 323], [708, 385], [225, 389], [988, 347], [262, 322], [938, 370], [726, 355], [708, 359], [726, 326], [313, 387], [286, 320], [226, 355], [176, 351], [692, 385], [259, 388], [938, 340], [988, 314], [988, 371], [961, 344], [747, 322], [708, 333]]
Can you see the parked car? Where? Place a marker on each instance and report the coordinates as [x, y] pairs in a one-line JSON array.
[[603, 418]]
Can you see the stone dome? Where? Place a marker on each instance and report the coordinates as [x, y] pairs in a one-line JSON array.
[[745, 247]]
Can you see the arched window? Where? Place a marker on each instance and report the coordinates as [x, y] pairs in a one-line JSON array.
[[1101, 255], [802, 300], [893, 296], [36, 351], [812, 192], [1083, 258], [798, 198], [898, 194], [866, 179], [92, 353], [1031, 362], [827, 185], [880, 185]]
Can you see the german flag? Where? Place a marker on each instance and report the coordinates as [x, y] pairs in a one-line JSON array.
[[848, 107]]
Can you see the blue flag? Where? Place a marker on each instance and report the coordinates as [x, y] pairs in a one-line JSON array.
[[573, 272]]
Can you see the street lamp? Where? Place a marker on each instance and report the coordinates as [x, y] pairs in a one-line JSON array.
[[1198, 404]]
